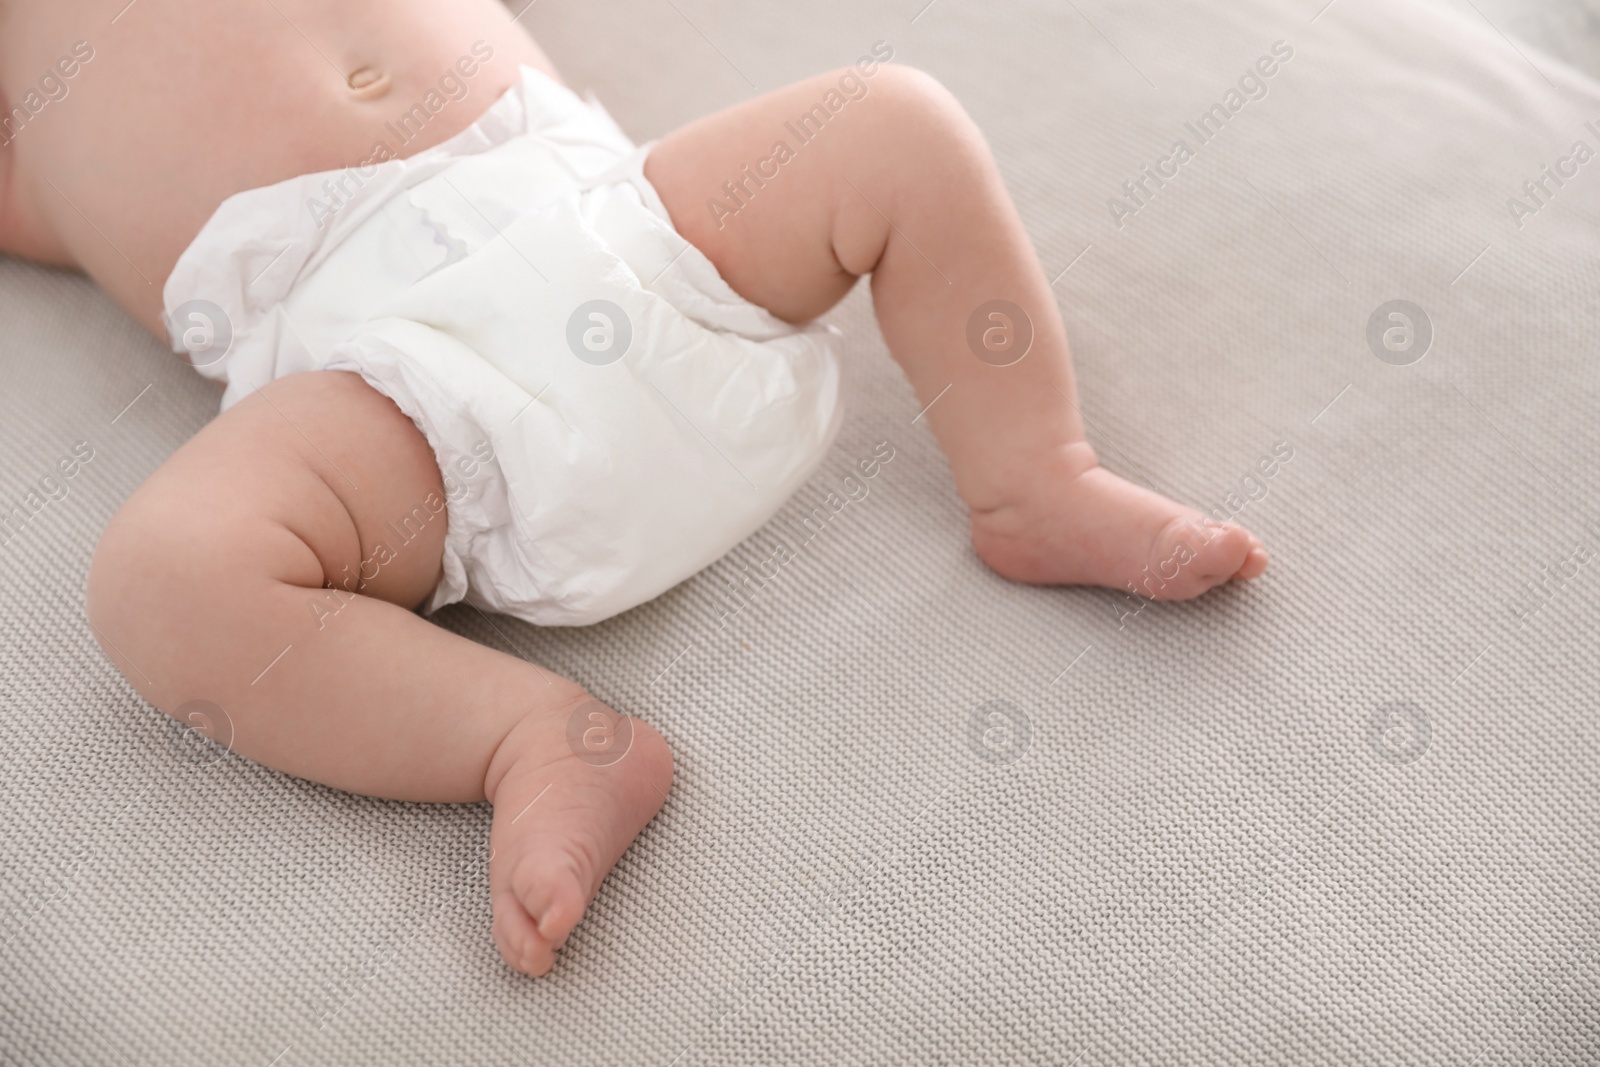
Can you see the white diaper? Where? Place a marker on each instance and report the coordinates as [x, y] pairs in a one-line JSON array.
[[459, 283]]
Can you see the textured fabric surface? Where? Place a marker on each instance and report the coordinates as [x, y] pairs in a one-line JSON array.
[[1344, 815], [1566, 29]]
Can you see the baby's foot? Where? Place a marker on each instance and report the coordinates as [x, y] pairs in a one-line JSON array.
[[1079, 524], [564, 812]]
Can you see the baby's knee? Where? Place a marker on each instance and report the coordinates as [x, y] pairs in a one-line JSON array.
[[917, 99], [917, 118], [129, 596], [150, 569], [911, 88], [176, 575]]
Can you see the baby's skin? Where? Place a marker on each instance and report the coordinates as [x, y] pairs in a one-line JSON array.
[[199, 587]]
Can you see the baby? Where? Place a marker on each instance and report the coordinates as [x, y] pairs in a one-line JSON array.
[[476, 344]]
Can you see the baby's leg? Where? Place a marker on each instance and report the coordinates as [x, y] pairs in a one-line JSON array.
[[900, 184], [208, 585], [22, 230]]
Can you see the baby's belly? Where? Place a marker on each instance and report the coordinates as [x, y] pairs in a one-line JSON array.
[[179, 104]]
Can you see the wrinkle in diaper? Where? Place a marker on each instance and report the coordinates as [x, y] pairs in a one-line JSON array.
[[455, 249], [454, 239], [478, 198]]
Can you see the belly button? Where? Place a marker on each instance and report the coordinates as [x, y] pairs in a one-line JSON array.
[[369, 83]]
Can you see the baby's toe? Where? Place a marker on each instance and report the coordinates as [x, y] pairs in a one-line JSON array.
[[1194, 557], [1222, 557], [552, 892], [1255, 561], [518, 938]]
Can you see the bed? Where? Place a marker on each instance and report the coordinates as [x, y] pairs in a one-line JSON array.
[[1346, 814]]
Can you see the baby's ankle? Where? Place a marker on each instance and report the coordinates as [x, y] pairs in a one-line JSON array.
[[538, 734], [1045, 474]]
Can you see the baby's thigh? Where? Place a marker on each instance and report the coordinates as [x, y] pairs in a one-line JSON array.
[[315, 478]]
